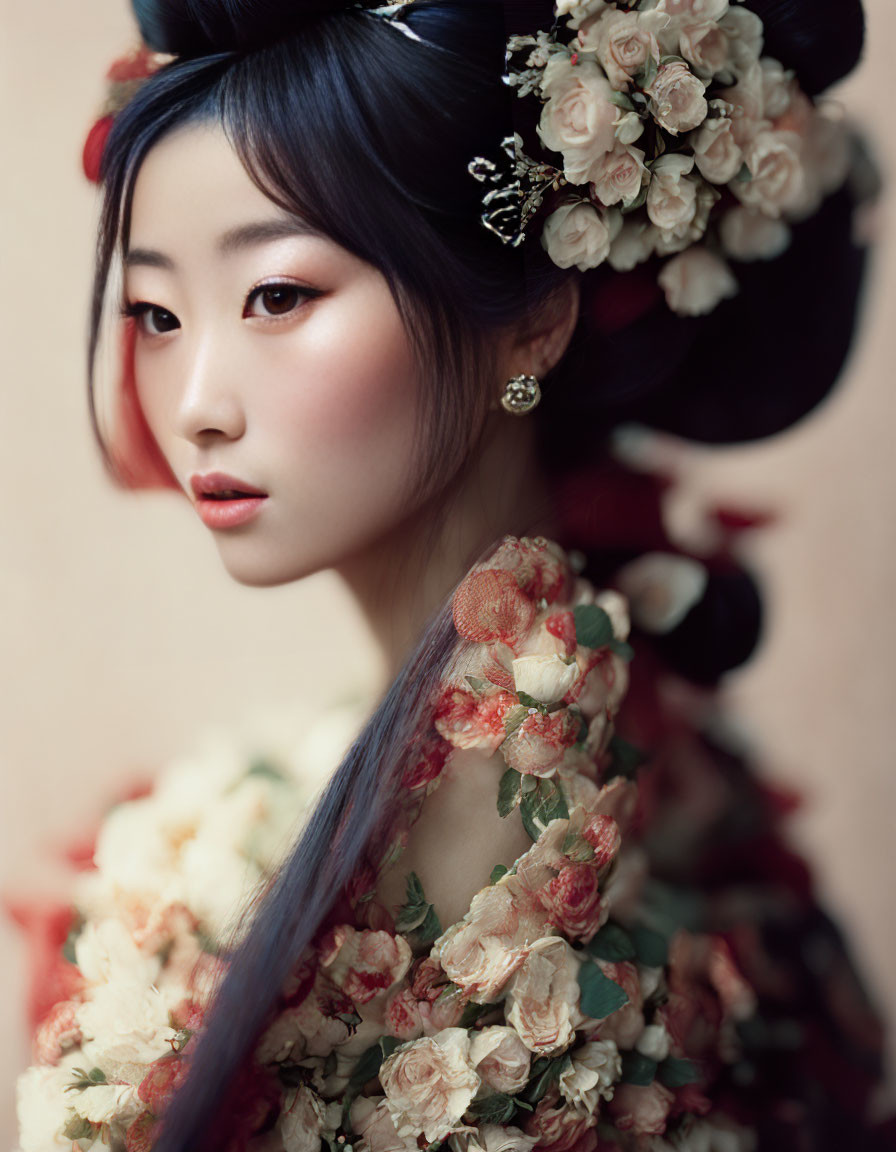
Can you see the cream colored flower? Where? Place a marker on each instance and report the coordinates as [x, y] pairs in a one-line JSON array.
[[633, 245], [579, 235], [716, 152], [371, 1121], [676, 98], [303, 1118], [544, 678], [580, 10], [498, 1138], [500, 1058], [672, 194], [696, 281], [745, 32], [777, 177], [623, 42], [706, 48], [654, 1042], [748, 234], [592, 1073], [619, 175], [578, 119], [42, 1107], [429, 1084], [543, 997]]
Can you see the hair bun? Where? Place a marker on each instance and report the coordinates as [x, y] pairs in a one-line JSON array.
[[820, 39], [190, 28]]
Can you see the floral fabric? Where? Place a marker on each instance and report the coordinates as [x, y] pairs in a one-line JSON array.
[[586, 1000]]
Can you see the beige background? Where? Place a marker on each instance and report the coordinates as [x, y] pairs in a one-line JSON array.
[[121, 638]]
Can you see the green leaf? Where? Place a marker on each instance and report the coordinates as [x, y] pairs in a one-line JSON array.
[[594, 629], [82, 1079], [599, 995], [477, 683], [418, 916], [648, 72], [430, 929], [650, 947], [744, 175], [530, 702], [497, 1109], [68, 948], [622, 649], [388, 1044], [539, 807], [631, 206], [545, 1072], [509, 792], [80, 1129], [262, 767], [625, 759], [612, 943], [621, 101], [675, 1072], [498, 871], [671, 58], [637, 1069], [473, 1012]]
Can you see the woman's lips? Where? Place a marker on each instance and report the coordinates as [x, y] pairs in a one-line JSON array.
[[224, 501]]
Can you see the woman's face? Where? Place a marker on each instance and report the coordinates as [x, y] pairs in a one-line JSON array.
[[272, 366]]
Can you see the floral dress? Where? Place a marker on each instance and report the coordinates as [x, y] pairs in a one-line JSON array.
[[605, 990]]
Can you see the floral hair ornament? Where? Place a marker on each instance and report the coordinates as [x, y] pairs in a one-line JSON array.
[[678, 139]]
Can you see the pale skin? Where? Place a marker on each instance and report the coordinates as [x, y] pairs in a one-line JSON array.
[[270, 353]]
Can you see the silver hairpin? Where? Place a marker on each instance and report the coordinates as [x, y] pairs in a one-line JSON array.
[[391, 12]]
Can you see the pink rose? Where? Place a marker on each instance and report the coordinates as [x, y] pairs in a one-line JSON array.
[[538, 745], [619, 175], [403, 1019], [695, 281], [777, 177], [623, 43], [429, 1084], [371, 1121], [578, 119], [490, 606], [539, 566], [543, 997], [364, 964], [500, 1058], [672, 193], [473, 720], [578, 235], [705, 47], [746, 101], [748, 234], [745, 32], [302, 1120], [778, 87], [481, 952], [716, 152], [560, 1128], [642, 1109], [676, 96], [698, 10], [573, 902]]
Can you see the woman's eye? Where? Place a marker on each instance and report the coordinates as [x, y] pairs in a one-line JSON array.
[[154, 320], [276, 299]]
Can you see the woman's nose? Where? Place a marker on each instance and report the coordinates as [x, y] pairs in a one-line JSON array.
[[211, 403]]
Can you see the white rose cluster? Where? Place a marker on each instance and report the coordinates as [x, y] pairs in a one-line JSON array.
[[656, 108]]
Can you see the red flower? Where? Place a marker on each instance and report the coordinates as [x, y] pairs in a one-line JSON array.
[[573, 901], [490, 606], [427, 764], [161, 1082], [141, 1134], [94, 145], [538, 746], [602, 833], [468, 720]]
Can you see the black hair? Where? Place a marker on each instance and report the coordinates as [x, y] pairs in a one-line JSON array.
[[320, 99]]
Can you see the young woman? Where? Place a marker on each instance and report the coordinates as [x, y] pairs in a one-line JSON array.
[[334, 343]]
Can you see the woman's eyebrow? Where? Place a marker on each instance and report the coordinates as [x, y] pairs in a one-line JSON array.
[[234, 240]]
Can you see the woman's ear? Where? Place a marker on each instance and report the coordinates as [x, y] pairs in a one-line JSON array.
[[545, 336]]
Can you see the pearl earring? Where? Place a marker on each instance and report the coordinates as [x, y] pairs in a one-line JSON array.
[[521, 394]]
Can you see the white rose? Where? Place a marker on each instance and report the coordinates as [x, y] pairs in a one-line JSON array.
[[500, 1138], [42, 1107], [429, 1084], [616, 607], [693, 9], [705, 46], [777, 176], [543, 997], [579, 235], [632, 246], [302, 1120], [672, 193], [544, 678], [745, 107], [500, 1058], [654, 1042], [580, 10], [695, 281], [750, 235], [623, 42], [373, 1125], [744, 30], [579, 117], [618, 175], [662, 588], [777, 87], [592, 1073], [125, 1029], [716, 151], [103, 1103], [676, 96]]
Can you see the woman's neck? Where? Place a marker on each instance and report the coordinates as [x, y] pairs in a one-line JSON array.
[[403, 578]]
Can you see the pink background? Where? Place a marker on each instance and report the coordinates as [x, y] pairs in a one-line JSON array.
[[122, 639]]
